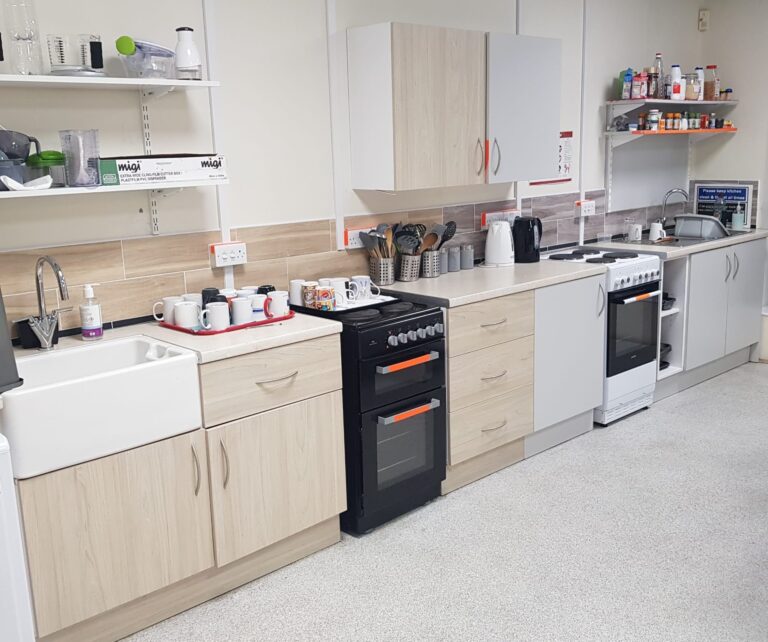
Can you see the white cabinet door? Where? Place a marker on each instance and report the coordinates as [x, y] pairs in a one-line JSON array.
[[745, 295], [569, 357], [523, 107], [707, 306]]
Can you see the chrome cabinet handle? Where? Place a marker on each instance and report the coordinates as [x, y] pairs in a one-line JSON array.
[[603, 299], [728, 271], [493, 325], [289, 376], [499, 376], [482, 157], [499, 427], [198, 478], [738, 265], [225, 458], [498, 162]]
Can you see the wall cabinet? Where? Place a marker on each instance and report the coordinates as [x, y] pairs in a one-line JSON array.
[[523, 107], [275, 474], [106, 532], [724, 301], [426, 111], [569, 351]]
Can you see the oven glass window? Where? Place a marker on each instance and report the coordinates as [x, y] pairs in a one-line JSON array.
[[404, 449], [632, 333]]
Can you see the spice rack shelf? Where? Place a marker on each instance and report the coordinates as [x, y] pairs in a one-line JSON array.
[[620, 138], [109, 189]]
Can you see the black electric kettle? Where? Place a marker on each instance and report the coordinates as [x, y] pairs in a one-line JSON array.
[[526, 238]]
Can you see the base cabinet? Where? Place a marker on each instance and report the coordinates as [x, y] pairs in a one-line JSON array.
[[275, 474], [103, 533]]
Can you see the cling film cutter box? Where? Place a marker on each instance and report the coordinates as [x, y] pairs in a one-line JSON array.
[[166, 168]]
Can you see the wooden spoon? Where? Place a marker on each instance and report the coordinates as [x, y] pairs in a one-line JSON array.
[[388, 237], [429, 240]]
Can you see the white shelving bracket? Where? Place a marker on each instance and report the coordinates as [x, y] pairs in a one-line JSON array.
[[146, 138]]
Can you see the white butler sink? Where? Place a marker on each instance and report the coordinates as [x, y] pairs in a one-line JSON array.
[[81, 403]]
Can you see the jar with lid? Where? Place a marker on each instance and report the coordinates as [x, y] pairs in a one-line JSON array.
[[670, 121], [654, 116], [691, 86], [678, 120], [684, 121], [711, 84], [641, 120], [704, 121], [653, 82]]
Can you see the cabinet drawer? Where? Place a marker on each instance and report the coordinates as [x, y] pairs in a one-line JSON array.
[[479, 325], [490, 372], [243, 386], [483, 427]]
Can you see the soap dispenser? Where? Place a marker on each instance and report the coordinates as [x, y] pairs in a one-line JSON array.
[[90, 315]]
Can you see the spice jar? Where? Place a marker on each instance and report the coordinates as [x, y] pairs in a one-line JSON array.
[[653, 119], [670, 120], [691, 86]]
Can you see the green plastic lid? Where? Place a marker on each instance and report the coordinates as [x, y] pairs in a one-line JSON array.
[[125, 45], [47, 158]]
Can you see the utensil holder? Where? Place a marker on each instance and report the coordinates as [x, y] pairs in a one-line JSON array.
[[410, 265], [382, 271], [430, 264]]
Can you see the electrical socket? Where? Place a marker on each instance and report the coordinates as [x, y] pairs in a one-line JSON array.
[[227, 254], [352, 239], [585, 208], [486, 218], [703, 19]]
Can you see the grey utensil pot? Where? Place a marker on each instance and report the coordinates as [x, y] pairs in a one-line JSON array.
[[430, 264], [382, 271], [410, 265]]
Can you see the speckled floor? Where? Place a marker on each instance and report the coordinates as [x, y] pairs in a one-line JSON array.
[[653, 529]]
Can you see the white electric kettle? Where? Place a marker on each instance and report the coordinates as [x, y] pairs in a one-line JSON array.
[[498, 245]]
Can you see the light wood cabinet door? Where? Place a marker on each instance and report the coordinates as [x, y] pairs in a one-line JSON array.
[[106, 532], [570, 350], [438, 78], [745, 295], [276, 474], [707, 307]]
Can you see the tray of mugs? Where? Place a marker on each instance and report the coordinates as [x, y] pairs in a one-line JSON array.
[[201, 331], [336, 294]]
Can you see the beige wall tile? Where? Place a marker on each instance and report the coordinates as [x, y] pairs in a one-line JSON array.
[[166, 254], [369, 221], [18, 306], [91, 263], [314, 266], [196, 280], [274, 272], [126, 299], [287, 239], [426, 217]]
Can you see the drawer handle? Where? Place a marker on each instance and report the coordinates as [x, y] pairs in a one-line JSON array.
[[493, 325], [225, 458], [289, 376], [197, 471], [498, 376], [499, 427], [410, 363], [402, 416]]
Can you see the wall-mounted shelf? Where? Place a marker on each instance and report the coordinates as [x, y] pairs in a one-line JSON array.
[[110, 189], [669, 313], [150, 86], [620, 138], [617, 107]]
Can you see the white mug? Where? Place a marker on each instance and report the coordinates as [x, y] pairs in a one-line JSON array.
[[294, 291], [635, 232], [228, 292], [325, 282], [215, 316], [168, 303], [276, 304], [195, 297], [257, 302], [186, 314], [246, 292], [365, 287], [344, 295], [242, 310], [657, 232]]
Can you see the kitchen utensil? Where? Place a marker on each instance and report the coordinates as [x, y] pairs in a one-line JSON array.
[[81, 156], [526, 234], [635, 232], [15, 145], [450, 231], [145, 59], [429, 241], [388, 236], [365, 287], [381, 228], [189, 64], [276, 304], [69, 53], [23, 37], [430, 263], [657, 232], [407, 242], [438, 229], [382, 271], [242, 310], [215, 316], [410, 266], [498, 245], [186, 314], [46, 163], [167, 303], [10, 172], [371, 244], [294, 291]]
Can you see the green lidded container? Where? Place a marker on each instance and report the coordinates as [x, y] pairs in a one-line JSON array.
[[48, 162]]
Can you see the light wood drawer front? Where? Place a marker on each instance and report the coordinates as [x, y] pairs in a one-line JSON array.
[[479, 325], [477, 429], [242, 386], [490, 372]]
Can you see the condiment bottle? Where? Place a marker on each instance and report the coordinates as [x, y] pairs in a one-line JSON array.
[[659, 66], [678, 92]]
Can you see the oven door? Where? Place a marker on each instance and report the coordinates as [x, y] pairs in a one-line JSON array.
[[391, 377], [633, 326], [404, 448]]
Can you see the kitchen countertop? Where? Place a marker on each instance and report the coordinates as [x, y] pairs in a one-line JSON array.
[[470, 286], [666, 251], [216, 347]]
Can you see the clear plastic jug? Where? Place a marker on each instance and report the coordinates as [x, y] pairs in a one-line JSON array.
[[23, 36]]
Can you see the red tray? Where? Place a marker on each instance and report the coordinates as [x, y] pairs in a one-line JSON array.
[[232, 328]]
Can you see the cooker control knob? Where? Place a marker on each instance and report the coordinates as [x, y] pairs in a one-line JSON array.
[[617, 283], [439, 328], [402, 337], [422, 333], [431, 330], [412, 336], [392, 340]]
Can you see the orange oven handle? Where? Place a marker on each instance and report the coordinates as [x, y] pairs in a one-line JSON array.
[[639, 297], [410, 363], [407, 414]]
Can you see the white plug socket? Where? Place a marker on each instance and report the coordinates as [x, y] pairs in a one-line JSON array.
[[704, 19], [228, 254], [352, 239], [585, 208], [486, 218]]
